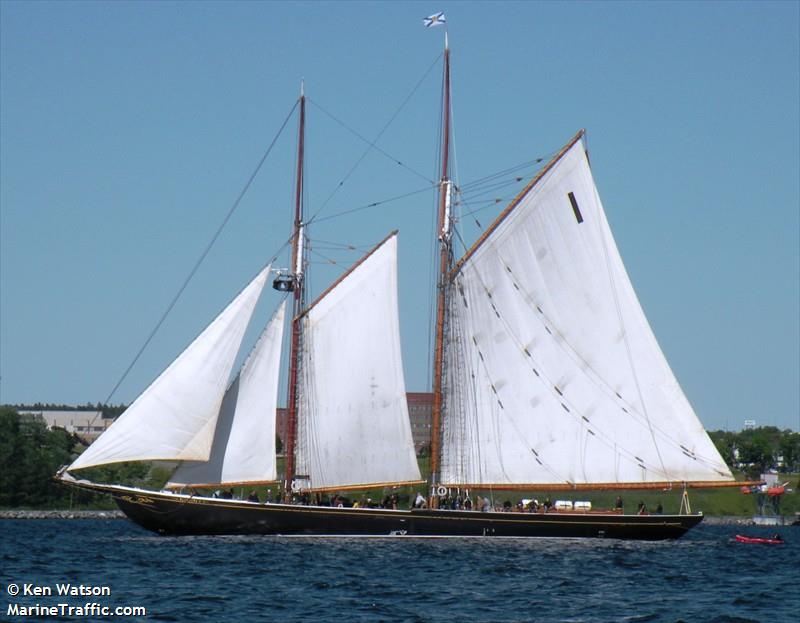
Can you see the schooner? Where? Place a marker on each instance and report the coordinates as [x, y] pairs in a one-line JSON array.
[[547, 377]]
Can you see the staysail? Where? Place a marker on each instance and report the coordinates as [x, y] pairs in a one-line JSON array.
[[175, 417], [243, 450], [554, 376], [353, 428]]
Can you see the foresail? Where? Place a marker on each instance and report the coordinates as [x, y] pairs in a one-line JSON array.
[[353, 428], [554, 375], [243, 450], [175, 417]]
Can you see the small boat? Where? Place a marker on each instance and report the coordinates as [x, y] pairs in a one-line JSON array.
[[774, 540]]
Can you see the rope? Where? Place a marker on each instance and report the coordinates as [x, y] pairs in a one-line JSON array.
[[374, 204], [373, 144]]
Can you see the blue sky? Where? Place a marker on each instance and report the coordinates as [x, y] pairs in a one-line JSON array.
[[128, 129]]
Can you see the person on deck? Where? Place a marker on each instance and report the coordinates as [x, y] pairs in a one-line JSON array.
[[253, 497], [618, 504], [641, 509]]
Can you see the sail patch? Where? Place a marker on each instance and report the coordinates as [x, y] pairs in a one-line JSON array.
[[575, 208]]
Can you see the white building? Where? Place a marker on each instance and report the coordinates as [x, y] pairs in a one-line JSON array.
[[85, 424]]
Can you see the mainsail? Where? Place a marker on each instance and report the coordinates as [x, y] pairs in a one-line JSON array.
[[554, 376], [353, 428], [243, 450], [175, 417]]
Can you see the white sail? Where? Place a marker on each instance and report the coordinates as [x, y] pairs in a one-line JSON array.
[[175, 417], [554, 375], [353, 426], [243, 450]]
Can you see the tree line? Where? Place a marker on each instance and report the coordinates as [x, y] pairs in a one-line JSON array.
[[30, 455], [758, 450]]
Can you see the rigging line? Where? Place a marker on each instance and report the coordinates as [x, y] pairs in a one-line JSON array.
[[489, 203], [374, 204], [342, 245], [358, 162], [328, 260], [205, 252], [327, 247], [341, 250], [482, 190], [486, 203], [373, 144], [370, 146], [460, 239], [507, 171]]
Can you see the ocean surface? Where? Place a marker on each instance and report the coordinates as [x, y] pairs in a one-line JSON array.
[[705, 576]]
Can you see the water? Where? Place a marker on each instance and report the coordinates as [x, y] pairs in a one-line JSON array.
[[704, 577]]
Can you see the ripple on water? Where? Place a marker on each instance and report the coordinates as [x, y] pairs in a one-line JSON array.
[[704, 577]]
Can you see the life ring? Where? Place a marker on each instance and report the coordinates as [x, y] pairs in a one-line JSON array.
[[295, 486], [441, 491]]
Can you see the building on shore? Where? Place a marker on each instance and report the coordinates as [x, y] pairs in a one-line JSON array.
[[420, 411], [87, 425]]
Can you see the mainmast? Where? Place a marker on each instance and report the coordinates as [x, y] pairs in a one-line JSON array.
[[298, 303], [445, 259]]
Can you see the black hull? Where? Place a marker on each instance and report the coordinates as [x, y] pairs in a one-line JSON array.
[[170, 514]]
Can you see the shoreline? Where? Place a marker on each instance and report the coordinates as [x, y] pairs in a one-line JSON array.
[[60, 514], [721, 520]]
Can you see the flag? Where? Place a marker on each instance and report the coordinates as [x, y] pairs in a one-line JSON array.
[[437, 19]]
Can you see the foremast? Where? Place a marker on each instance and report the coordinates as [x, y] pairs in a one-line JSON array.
[[298, 286], [443, 280]]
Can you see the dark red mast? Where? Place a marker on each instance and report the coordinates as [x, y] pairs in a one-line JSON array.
[[298, 285], [445, 255]]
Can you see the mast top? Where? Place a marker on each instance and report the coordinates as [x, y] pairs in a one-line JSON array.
[[302, 87], [446, 42]]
